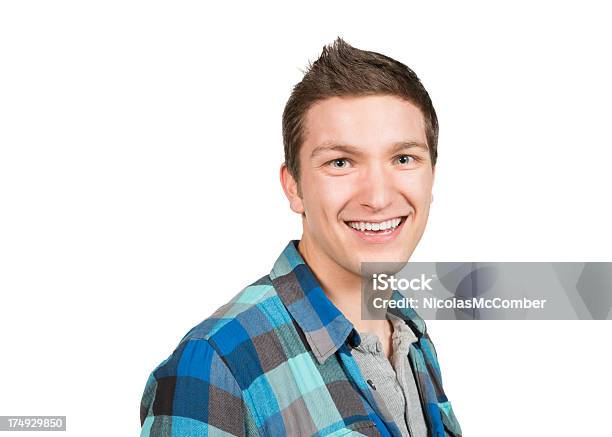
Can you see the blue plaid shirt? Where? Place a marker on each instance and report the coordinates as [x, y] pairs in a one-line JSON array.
[[276, 361]]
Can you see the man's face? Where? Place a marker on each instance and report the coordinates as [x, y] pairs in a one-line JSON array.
[[366, 180]]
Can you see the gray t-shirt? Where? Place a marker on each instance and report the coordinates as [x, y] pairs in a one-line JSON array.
[[393, 379]]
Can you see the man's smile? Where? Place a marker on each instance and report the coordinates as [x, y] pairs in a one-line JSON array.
[[377, 231]]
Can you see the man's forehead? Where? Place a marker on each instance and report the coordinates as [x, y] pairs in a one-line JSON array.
[[370, 122]]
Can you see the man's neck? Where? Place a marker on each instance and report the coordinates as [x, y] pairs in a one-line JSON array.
[[343, 288]]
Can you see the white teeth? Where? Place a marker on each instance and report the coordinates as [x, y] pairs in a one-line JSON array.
[[380, 226]]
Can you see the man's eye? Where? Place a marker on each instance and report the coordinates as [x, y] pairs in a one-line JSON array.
[[340, 163], [404, 159]]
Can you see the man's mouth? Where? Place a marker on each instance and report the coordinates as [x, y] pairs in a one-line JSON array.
[[385, 227]]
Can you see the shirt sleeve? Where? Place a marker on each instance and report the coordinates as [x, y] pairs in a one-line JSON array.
[[193, 393]]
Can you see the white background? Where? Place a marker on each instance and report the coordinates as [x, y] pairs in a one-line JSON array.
[[140, 144]]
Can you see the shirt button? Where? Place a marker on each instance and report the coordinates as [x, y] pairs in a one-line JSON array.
[[371, 384]]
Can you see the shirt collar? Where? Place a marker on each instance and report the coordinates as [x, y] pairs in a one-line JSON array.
[[324, 326]]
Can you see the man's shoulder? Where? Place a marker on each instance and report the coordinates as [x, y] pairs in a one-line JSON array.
[[244, 315], [200, 382], [255, 310]]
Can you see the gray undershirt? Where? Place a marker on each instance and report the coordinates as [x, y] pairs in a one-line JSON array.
[[394, 381]]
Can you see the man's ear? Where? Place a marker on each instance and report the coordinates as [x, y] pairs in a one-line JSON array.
[[290, 187]]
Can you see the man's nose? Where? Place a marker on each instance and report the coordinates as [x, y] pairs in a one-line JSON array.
[[376, 188]]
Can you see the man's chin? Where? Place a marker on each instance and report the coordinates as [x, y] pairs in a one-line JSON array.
[[381, 253], [367, 264]]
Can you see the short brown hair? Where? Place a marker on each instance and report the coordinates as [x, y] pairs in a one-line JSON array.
[[343, 70]]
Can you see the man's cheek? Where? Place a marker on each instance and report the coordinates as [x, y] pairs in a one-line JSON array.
[[338, 193]]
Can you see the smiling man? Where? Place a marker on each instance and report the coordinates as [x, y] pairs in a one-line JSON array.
[[290, 354]]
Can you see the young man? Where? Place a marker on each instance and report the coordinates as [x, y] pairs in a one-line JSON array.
[[290, 355]]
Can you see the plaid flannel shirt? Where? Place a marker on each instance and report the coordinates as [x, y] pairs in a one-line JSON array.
[[276, 361]]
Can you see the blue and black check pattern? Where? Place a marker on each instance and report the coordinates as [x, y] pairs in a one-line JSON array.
[[276, 361]]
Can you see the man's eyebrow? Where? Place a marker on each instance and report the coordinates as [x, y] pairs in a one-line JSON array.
[[335, 148], [403, 145], [346, 148]]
